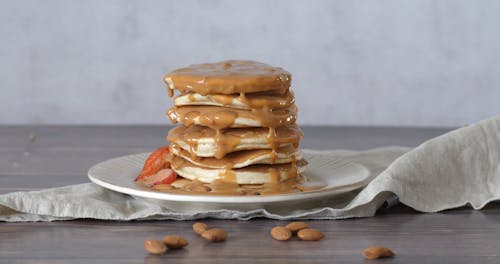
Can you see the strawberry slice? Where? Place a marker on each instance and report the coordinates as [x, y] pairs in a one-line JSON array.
[[154, 163], [164, 176]]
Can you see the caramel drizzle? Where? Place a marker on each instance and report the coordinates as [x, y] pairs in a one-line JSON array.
[[237, 159], [221, 81], [228, 140], [225, 186], [229, 77], [217, 117]]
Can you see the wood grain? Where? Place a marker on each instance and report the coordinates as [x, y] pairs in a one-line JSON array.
[[61, 156]]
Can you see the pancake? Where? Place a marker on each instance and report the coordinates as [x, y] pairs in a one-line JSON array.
[[241, 101], [254, 174], [217, 117], [242, 158], [205, 142], [228, 77]]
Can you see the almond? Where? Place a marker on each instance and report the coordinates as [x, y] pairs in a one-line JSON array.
[[281, 233], [296, 226], [309, 234], [215, 235], [376, 252], [175, 242], [155, 246], [199, 228]]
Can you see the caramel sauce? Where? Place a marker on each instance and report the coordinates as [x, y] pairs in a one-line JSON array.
[[179, 163], [222, 187], [228, 77], [244, 112], [241, 101], [227, 186], [238, 158], [218, 117], [229, 140]]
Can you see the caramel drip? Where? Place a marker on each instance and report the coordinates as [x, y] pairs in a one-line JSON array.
[[271, 138], [290, 174], [228, 176], [275, 176], [192, 97], [224, 144]]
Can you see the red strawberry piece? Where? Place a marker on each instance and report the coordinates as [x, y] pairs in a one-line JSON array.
[[154, 163], [164, 176]]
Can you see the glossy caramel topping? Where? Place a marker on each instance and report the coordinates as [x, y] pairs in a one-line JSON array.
[[239, 126], [222, 187], [241, 101], [236, 159], [228, 77], [230, 140], [221, 117], [290, 170]]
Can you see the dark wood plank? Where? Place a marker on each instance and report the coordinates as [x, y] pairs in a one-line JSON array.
[[417, 238]]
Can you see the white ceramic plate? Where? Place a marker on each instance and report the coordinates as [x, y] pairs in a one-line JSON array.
[[339, 175]]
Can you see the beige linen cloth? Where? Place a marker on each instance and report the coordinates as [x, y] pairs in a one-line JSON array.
[[459, 168]]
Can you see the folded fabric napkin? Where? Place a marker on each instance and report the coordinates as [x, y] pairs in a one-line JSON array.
[[458, 168]]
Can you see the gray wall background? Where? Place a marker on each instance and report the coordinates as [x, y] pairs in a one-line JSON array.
[[424, 63]]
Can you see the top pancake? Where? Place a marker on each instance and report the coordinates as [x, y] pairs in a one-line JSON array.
[[228, 77]]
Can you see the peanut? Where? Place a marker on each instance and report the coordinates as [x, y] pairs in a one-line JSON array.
[[281, 233], [155, 247], [377, 252], [309, 234], [175, 242], [199, 228], [215, 235], [296, 226]]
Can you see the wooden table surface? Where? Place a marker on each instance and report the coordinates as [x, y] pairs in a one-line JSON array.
[[38, 157]]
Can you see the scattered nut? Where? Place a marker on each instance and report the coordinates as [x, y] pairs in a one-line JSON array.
[[377, 252], [215, 234], [199, 228], [309, 234], [155, 246], [296, 226], [175, 242], [281, 233]]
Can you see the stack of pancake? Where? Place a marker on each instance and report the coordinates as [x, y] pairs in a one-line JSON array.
[[238, 124]]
